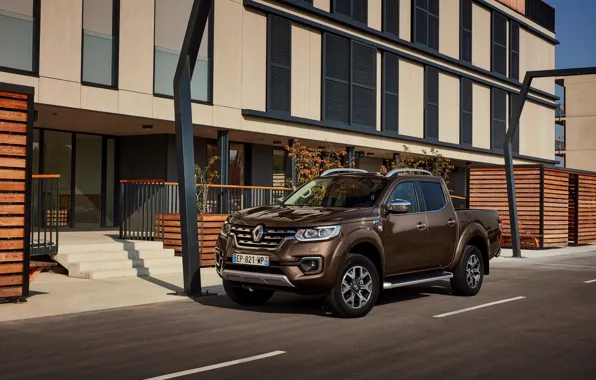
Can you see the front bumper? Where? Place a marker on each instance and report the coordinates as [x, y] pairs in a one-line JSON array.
[[256, 278]]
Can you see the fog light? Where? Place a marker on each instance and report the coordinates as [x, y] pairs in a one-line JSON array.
[[311, 265]]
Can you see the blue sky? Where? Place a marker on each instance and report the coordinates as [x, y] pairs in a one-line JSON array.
[[576, 30]]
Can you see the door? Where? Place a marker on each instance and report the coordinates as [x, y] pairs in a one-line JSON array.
[[442, 223], [88, 169], [405, 235]]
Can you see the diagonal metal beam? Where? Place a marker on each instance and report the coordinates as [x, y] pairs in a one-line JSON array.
[[517, 108], [191, 264]]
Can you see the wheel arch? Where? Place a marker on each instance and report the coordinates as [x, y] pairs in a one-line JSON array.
[[474, 235]]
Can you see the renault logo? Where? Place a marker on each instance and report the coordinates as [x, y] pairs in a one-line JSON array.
[[258, 232]]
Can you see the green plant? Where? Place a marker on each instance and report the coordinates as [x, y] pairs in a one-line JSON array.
[[434, 162], [204, 177]]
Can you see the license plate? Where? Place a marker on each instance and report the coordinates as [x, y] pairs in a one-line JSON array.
[[258, 260]]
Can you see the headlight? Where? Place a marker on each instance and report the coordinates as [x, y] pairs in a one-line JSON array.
[[318, 233], [225, 228]]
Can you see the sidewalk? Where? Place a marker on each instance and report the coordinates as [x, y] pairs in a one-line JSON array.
[[507, 253], [55, 294]]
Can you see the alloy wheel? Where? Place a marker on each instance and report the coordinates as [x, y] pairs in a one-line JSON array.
[[357, 287], [473, 271]]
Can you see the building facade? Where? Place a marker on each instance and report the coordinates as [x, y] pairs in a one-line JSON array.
[[369, 76]]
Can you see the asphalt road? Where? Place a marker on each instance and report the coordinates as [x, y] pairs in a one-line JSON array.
[[421, 332]]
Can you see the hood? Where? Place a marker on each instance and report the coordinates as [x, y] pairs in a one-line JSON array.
[[293, 216]]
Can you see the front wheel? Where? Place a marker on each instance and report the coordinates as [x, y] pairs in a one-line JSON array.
[[469, 274], [357, 288], [247, 296]]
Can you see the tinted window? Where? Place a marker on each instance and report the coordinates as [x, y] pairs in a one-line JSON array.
[[338, 192], [433, 194], [405, 191]]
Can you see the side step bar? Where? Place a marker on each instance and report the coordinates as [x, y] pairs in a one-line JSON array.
[[407, 280]]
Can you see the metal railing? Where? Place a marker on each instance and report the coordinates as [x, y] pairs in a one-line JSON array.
[[141, 202], [46, 216]]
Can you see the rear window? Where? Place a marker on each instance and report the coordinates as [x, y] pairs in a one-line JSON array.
[[434, 196]]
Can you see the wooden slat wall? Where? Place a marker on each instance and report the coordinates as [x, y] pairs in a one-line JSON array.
[[488, 191], [556, 208], [587, 209], [518, 5], [208, 226], [13, 152]]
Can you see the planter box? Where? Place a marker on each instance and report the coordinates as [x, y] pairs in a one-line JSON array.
[[208, 227]]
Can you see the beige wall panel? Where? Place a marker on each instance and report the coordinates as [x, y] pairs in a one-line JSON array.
[[99, 99], [449, 108], [379, 88], [481, 22], [411, 101], [136, 46], [306, 73], [405, 20], [449, 28], [375, 14], [59, 92], [536, 54], [227, 70], [226, 117], [481, 116], [163, 108], [60, 39], [23, 80], [314, 99], [136, 104], [537, 131], [253, 125], [202, 114], [254, 61], [580, 142], [323, 4], [580, 96]]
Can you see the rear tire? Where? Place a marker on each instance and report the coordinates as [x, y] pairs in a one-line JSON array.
[[357, 288], [469, 274], [247, 296]]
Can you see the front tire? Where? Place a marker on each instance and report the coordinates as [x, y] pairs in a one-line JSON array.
[[469, 274], [247, 296], [357, 288]]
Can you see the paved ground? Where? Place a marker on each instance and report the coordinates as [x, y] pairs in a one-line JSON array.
[[549, 334]]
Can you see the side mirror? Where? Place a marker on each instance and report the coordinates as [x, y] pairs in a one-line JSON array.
[[399, 206]]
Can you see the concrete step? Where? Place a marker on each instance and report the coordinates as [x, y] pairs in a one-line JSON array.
[[112, 246], [132, 272], [116, 255], [76, 269]]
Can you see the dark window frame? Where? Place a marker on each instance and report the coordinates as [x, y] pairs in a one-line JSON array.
[[428, 15], [350, 82], [514, 52], [466, 83], [35, 45], [496, 91], [270, 64], [496, 45], [385, 92], [115, 47], [210, 29], [385, 15], [427, 71], [465, 30], [334, 9]]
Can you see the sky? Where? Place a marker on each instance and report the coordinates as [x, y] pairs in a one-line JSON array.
[[576, 30]]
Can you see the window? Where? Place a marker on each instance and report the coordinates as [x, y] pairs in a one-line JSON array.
[[279, 167], [356, 9], [406, 192], [433, 194], [170, 26], [391, 16], [499, 35], [515, 143], [466, 31], [431, 99], [19, 31], [236, 167], [514, 52], [100, 42], [279, 56], [350, 81], [466, 101], [499, 118], [390, 92], [426, 23]]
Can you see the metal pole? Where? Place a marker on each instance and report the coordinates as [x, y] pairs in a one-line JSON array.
[[351, 156], [191, 265]]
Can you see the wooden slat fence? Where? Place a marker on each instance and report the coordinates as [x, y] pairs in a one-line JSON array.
[[587, 209]]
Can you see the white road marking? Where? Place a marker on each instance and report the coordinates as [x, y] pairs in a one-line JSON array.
[[589, 282], [217, 366], [477, 307]]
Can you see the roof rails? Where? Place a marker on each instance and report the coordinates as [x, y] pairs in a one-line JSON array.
[[342, 170], [406, 170]]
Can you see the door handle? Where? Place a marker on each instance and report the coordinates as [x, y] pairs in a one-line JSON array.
[[451, 222], [421, 226]]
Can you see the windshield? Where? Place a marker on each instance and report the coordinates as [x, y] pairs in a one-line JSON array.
[[346, 192]]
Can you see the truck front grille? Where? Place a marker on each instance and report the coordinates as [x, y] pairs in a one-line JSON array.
[[270, 239]]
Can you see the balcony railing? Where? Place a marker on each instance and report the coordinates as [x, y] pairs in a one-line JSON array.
[[45, 214], [141, 202]]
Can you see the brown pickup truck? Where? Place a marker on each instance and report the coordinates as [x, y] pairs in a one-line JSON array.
[[349, 234]]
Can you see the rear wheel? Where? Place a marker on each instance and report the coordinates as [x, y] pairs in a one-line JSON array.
[[469, 274], [247, 296], [357, 288]]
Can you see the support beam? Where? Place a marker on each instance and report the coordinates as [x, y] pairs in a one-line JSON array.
[[351, 156], [290, 164], [223, 151], [191, 265], [517, 108]]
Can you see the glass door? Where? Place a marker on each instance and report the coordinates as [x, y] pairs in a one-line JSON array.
[[87, 189]]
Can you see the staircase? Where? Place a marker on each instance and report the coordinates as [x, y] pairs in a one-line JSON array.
[[103, 257]]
